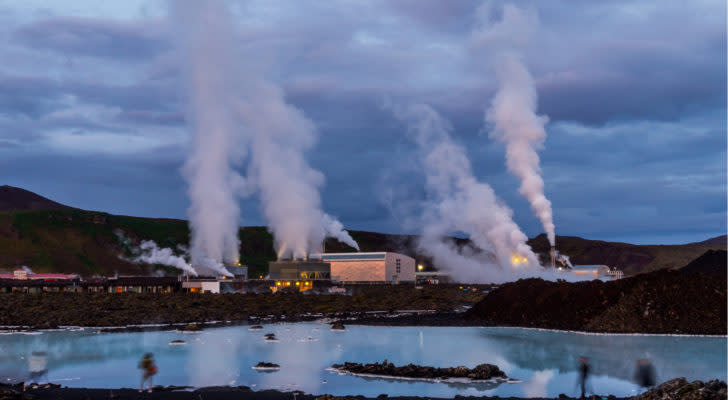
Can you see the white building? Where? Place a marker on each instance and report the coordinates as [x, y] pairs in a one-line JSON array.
[[376, 267], [597, 271]]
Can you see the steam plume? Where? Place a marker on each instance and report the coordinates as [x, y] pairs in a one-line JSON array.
[[152, 254], [513, 110], [462, 204], [335, 229], [277, 134], [213, 183]]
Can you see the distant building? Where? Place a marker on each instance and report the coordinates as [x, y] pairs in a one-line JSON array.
[[374, 267], [590, 271], [616, 273], [22, 274], [432, 277], [134, 284], [137, 284], [220, 283]]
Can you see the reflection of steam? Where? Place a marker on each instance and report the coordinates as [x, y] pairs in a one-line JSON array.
[[512, 112], [536, 386], [462, 204], [301, 361], [211, 360]]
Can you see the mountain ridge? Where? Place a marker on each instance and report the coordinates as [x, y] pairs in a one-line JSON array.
[[65, 239]]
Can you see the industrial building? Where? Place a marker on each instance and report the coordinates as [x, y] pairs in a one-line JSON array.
[[218, 284], [596, 271], [300, 274], [375, 267]]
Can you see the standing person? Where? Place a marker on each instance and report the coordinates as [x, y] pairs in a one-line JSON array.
[[583, 374], [149, 369], [644, 373]]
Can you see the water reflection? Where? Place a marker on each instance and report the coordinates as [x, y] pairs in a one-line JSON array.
[[545, 361]]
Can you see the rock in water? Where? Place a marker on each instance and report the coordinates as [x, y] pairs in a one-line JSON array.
[[482, 372]]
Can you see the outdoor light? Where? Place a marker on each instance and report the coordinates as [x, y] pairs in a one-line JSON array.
[[420, 267]]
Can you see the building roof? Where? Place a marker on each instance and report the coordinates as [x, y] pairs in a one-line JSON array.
[[583, 267], [361, 256], [142, 281], [40, 276], [434, 274]]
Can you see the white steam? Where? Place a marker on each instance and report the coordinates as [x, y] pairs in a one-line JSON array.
[[563, 259], [462, 204], [153, 254], [513, 110], [204, 33], [335, 229], [234, 106]]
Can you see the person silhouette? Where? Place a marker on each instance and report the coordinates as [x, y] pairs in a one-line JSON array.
[[583, 374], [149, 369]]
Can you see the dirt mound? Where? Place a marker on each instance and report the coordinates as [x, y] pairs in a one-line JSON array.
[[711, 262], [14, 199], [659, 302]]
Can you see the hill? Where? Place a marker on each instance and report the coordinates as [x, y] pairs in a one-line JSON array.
[[711, 262], [630, 258], [13, 198], [64, 239]]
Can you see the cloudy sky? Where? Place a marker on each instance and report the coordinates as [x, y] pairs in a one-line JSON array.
[[92, 111]]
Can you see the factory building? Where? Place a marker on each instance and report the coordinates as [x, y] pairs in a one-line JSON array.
[[596, 271], [220, 283], [378, 267], [299, 274]]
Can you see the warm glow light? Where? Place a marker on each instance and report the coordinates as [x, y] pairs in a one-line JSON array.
[[278, 284], [420, 267], [517, 259], [297, 283]]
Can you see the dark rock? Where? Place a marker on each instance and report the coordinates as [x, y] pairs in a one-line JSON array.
[[680, 388], [264, 364], [481, 372]]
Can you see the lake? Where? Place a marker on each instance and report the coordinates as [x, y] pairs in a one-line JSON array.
[[545, 361]]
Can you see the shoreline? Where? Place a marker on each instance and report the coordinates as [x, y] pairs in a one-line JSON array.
[[397, 321], [52, 391]]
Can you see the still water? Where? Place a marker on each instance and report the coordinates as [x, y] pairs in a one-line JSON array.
[[544, 361]]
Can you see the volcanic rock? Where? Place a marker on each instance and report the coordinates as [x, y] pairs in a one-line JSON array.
[[481, 372], [680, 388], [658, 302]]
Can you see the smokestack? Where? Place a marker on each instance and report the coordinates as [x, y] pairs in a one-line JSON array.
[[553, 256]]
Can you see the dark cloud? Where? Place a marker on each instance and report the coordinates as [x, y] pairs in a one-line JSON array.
[[635, 93], [93, 37]]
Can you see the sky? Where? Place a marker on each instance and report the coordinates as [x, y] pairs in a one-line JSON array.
[[92, 108]]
